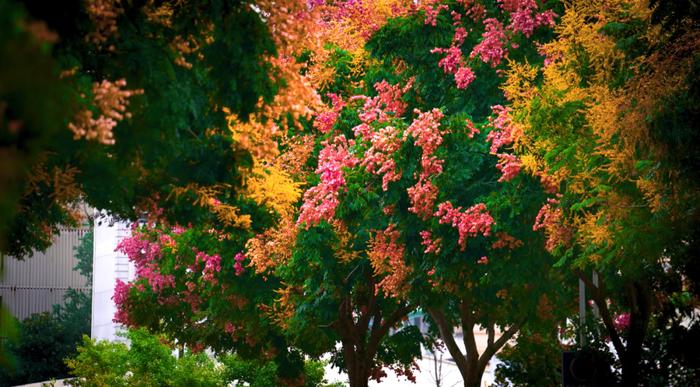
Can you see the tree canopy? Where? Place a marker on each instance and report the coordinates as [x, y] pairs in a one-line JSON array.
[[303, 175]]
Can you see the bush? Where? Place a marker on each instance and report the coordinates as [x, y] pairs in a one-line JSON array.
[[149, 361]]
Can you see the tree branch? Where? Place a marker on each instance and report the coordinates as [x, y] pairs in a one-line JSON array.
[[491, 349], [468, 330], [446, 333], [376, 335]]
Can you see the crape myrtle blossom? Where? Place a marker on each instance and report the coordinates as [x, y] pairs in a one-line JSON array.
[[321, 200], [386, 254], [550, 218], [492, 48], [432, 245], [326, 119], [212, 265], [238, 266], [454, 63], [504, 132], [385, 141], [469, 223], [425, 130], [386, 104], [509, 165], [121, 299], [378, 158], [145, 254], [523, 16]]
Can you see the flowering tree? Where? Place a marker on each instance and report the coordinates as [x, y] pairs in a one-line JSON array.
[[595, 134], [430, 208], [146, 92]]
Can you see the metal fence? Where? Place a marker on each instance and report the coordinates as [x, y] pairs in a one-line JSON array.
[[35, 284]]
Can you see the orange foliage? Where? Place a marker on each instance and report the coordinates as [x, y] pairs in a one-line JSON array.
[[112, 101], [386, 255]]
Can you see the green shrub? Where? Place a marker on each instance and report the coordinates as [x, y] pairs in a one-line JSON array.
[[149, 361]]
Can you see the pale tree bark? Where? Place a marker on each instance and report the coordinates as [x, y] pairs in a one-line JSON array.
[[471, 364]]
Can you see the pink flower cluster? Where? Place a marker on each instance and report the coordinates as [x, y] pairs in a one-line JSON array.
[[426, 131], [212, 265], [325, 120], [321, 200], [452, 60], [390, 96], [509, 165], [422, 196], [431, 245], [121, 300], [550, 219], [472, 129], [622, 321], [139, 250], [431, 13], [504, 131], [460, 34], [464, 77], [144, 254], [491, 49], [191, 296], [385, 141], [378, 158], [473, 221], [156, 280], [475, 10], [388, 101], [454, 63], [238, 266], [523, 16]]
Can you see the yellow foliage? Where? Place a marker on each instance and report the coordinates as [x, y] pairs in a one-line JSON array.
[[605, 132], [344, 250], [272, 187], [206, 197], [594, 230], [254, 136], [284, 306]]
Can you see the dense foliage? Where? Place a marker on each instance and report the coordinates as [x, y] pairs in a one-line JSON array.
[[302, 175], [148, 361]]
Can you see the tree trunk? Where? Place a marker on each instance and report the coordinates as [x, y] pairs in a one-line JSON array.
[[358, 375], [472, 377], [639, 320]]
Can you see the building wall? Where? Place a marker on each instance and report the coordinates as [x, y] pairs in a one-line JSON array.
[[108, 266], [35, 284]]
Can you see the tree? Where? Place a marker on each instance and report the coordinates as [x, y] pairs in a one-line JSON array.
[[146, 92], [587, 125], [372, 159]]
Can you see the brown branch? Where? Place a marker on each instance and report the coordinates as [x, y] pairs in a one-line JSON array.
[[363, 322], [376, 335], [491, 349], [446, 332], [468, 330]]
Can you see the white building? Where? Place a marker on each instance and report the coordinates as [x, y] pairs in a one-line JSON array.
[[108, 266]]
